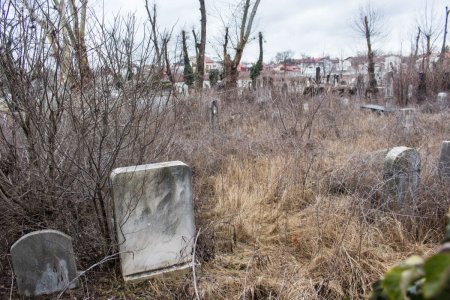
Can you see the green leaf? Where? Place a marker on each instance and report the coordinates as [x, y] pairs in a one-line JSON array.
[[399, 279], [437, 277]]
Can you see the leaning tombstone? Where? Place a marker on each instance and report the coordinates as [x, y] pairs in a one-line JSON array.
[[402, 173], [154, 218], [444, 160], [44, 263], [407, 118]]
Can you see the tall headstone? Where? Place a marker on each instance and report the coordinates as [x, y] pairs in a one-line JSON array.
[[402, 172], [317, 75], [154, 218], [389, 95], [444, 160], [214, 115], [284, 90], [410, 92], [44, 263], [360, 85]]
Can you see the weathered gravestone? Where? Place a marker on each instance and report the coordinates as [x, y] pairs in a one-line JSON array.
[[345, 101], [318, 77], [402, 172], [389, 93], [306, 107], [444, 160], [44, 263], [442, 100], [410, 93], [284, 90], [154, 218], [214, 115], [407, 117]]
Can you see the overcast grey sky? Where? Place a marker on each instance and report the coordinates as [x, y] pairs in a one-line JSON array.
[[311, 27]]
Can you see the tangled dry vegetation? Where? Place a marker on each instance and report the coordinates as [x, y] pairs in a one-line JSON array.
[[289, 203]]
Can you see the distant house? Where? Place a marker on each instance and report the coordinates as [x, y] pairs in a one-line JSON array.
[[209, 64]]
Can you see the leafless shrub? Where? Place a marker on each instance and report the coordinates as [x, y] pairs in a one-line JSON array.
[[66, 129]]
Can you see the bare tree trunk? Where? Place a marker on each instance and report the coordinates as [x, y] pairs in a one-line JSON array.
[[445, 33], [416, 51], [370, 58], [151, 14], [231, 65], [188, 72], [167, 62], [201, 48]]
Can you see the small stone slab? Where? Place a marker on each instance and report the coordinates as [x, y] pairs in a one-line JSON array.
[[377, 108], [444, 160], [402, 172], [44, 263], [154, 218]]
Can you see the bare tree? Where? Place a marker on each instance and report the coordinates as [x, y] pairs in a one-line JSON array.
[[58, 145], [283, 57], [257, 68], [189, 76], [368, 24], [200, 47], [65, 27], [416, 48], [151, 15], [444, 40], [429, 29], [231, 65]]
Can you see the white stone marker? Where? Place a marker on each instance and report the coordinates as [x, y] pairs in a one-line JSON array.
[[402, 172], [444, 160], [407, 117], [442, 100], [44, 263], [154, 217], [305, 107]]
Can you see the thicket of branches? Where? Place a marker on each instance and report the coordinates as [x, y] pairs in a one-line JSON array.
[[83, 98]]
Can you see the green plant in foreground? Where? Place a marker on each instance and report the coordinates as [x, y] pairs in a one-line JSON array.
[[417, 278]]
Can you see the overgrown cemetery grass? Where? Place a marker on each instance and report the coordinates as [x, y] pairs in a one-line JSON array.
[[290, 203]]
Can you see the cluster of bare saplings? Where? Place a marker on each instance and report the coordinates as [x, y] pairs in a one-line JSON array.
[[286, 198]]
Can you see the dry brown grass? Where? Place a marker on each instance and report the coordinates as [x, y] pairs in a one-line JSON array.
[[275, 222], [290, 203]]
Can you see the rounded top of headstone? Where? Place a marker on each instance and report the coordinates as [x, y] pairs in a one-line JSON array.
[[45, 231], [403, 157]]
